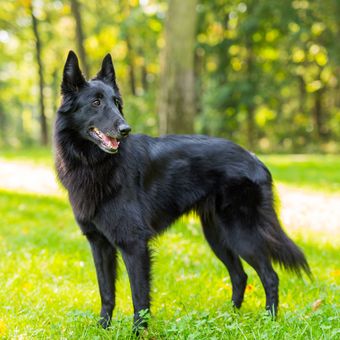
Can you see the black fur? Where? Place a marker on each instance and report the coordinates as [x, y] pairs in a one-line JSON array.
[[123, 200]]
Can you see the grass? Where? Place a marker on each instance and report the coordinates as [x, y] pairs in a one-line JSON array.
[[320, 172], [49, 290], [35, 155]]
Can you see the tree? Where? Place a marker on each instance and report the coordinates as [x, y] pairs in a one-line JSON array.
[[3, 124], [75, 7], [38, 48], [177, 100]]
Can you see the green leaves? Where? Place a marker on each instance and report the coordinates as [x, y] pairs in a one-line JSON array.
[[277, 57], [251, 56]]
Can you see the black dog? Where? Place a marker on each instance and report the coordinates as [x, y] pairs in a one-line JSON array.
[[124, 191]]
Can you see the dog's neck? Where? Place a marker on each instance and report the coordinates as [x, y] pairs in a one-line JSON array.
[[78, 163], [75, 151]]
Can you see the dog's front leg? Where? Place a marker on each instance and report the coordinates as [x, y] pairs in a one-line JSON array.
[[105, 260], [136, 256]]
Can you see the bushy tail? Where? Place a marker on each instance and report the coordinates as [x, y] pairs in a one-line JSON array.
[[281, 248]]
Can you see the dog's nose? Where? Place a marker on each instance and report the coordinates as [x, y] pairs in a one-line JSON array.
[[124, 129]]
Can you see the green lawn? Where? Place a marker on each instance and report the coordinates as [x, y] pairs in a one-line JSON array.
[[49, 290], [36, 155], [321, 172]]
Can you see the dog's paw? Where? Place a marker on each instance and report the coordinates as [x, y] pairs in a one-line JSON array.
[[104, 322]]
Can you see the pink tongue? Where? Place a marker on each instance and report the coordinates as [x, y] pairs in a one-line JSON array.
[[111, 142]]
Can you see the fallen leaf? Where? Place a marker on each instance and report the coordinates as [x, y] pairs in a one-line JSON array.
[[316, 304], [250, 288]]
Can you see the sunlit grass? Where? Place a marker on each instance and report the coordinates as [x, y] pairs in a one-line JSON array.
[[35, 155], [49, 290], [319, 172]]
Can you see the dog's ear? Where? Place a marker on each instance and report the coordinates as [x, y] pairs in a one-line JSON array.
[[73, 79], [107, 72]]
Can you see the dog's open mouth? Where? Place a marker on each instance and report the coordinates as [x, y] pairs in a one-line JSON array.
[[106, 143]]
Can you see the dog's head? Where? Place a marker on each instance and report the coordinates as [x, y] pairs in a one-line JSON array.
[[94, 107]]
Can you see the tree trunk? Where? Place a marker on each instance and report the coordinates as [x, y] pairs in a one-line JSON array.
[[75, 7], [144, 77], [302, 94], [131, 62], [55, 91], [3, 126], [43, 122], [251, 127], [337, 51], [198, 70], [251, 139], [177, 99], [317, 115]]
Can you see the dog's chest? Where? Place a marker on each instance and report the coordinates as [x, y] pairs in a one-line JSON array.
[[88, 189]]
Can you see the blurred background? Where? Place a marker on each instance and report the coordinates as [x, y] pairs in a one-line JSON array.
[[263, 73]]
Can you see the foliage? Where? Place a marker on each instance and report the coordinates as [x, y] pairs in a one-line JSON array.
[[19, 109], [274, 66], [267, 72]]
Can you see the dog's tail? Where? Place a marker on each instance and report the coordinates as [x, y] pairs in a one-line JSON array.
[[280, 247]]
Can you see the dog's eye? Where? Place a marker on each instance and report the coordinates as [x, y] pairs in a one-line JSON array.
[[96, 102], [116, 101]]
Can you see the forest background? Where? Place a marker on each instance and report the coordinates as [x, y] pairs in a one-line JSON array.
[[263, 73]]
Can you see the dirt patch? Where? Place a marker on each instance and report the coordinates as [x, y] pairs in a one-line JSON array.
[[26, 177], [315, 210]]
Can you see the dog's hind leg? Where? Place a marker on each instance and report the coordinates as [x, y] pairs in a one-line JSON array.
[[268, 276], [245, 242], [214, 235], [136, 256], [243, 211], [104, 255]]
